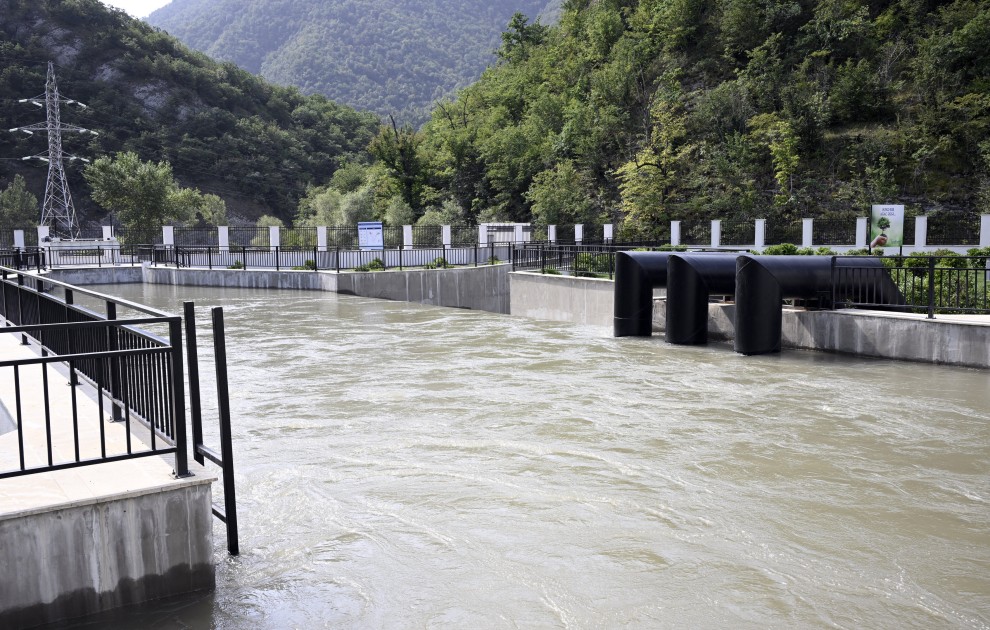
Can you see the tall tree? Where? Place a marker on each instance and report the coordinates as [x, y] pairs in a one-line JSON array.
[[18, 207]]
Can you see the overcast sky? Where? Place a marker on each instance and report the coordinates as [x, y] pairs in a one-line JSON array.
[[137, 8]]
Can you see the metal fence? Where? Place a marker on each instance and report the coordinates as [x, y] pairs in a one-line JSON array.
[[737, 233], [952, 229], [929, 284], [196, 236], [833, 231], [696, 233], [136, 377], [778, 233]]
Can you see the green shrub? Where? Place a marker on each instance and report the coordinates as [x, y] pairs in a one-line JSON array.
[[494, 260], [437, 263], [550, 271], [375, 265], [783, 249], [593, 264], [308, 265], [237, 265]]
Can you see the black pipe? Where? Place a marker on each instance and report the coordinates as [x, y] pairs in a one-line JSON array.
[[691, 281], [636, 275], [763, 282]]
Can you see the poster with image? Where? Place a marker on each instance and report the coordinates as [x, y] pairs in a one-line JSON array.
[[887, 226], [370, 235]]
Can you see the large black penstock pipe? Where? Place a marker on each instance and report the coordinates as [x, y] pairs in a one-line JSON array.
[[636, 274], [691, 281], [763, 282]]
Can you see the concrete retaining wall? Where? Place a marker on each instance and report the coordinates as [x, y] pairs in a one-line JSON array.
[[97, 275], [485, 287], [96, 555], [586, 301]]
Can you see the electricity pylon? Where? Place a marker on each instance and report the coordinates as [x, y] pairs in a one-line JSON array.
[[57, 211]]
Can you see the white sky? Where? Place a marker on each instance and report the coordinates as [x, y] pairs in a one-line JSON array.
[[137, 8]]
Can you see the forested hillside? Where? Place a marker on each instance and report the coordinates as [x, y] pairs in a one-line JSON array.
[[224, 130], [640, 112], [393, 57]]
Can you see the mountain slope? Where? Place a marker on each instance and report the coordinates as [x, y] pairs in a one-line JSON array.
[[392, 57], [643, 111], [224, 130]]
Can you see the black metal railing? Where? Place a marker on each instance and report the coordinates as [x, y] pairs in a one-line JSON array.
[[953, 229], [128, 388], [698, 233], [196, 236], [136, 376], [928, 284], [737, 233], [833, 231], [589, 261], [779, 232]]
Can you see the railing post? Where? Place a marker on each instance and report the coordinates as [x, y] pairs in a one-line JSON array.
[[244, 257], [209, 257], [277, 261], [337, 259], [931, 287], [178, 399], [226, 438], [192, 359], [113, 344], [316, 258]]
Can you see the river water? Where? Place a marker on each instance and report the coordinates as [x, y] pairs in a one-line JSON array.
[[405, 466]]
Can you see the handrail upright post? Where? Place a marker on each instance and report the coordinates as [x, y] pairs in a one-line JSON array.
[[178, 399], [192, 360], [113, 342], [931, 287], [226, 441]]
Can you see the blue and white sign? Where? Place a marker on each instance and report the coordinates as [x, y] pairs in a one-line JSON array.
[[370, 235]]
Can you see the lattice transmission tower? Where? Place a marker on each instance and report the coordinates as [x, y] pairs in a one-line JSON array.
[[57, 211]]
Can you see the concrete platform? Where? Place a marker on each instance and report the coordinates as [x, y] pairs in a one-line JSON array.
[[78, 541]]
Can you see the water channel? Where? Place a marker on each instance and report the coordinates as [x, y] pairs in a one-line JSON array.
[[406, 466]]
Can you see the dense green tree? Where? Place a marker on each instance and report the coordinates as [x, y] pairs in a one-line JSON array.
[[144, 196], [19, 208]]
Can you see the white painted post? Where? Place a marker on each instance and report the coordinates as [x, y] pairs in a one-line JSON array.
[[807, 232], [519, 233], [716, 233], [920, 232], [321, 238], [168, 235], [608, 233], [578, 233], [43, 233], [19, 239], [407, 237], [223, 238], [107, 232], [274, 236], [675, 232], [861, 231], [760, 237], [985, 231], [482, 234], [552, 233], [445, 235]]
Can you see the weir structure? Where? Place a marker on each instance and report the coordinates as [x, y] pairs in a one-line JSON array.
[[758, 284]]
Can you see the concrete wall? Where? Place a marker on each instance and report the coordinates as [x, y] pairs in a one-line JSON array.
[[562, 298], [485, 287], [92, 556], [104, 275]]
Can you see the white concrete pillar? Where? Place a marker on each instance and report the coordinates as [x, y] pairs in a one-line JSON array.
[[223, 238], [608, 233], [107, 232], [920, 232], [19, 239], [445, 235], [861, 232], [552, 233], [716, 233], [807, 232], [407, 236], [985, 231], [168, 235], [675, 232], [274, 236], [43, 233], [482, 234], [760, 236], [519, 233], [578, 232]]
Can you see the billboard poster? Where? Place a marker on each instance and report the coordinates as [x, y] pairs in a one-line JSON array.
[[887, 226], [370, 235]]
